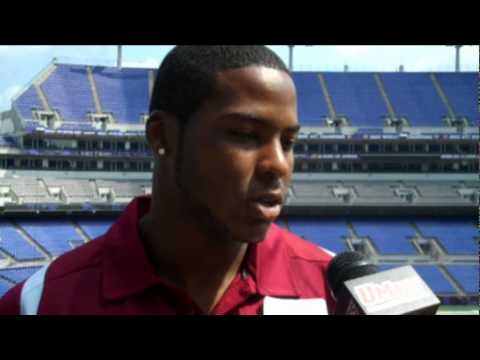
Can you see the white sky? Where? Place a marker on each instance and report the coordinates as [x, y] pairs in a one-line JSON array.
[[20, 64]]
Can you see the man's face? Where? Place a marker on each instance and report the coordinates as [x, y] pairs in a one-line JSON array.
[[238, 153]]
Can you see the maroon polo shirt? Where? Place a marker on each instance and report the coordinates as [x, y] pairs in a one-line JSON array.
[[113, 275]]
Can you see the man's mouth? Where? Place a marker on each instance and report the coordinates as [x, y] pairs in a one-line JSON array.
[[265, 207]]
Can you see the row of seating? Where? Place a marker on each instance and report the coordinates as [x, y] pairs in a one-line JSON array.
[[125, 94], [54, 237], [59, 236], [391, 236], [28, 188]]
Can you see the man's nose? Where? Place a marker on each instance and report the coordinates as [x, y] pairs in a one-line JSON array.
[[274, 160]]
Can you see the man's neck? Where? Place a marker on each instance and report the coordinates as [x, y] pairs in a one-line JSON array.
[[202, 267]]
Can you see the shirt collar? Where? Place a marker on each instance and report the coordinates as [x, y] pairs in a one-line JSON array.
[[128, 270], [270, 261]]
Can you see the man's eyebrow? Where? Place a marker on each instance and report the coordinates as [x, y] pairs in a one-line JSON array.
[[259, 120]]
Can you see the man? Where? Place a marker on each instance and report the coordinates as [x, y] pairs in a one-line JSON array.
[[222, 127]]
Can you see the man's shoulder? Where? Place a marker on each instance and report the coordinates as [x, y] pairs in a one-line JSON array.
[[86, 256], [59, 273]]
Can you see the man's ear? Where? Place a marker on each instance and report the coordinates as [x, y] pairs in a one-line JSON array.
[[157, 131]]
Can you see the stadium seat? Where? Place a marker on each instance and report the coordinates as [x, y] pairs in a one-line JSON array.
[[68, 90], [122, 189], [16, 245], [391, 237], [4, 287], [95, 227], [461, 90], [467, 276], [414, 96], [456, 236], [312, 106], [26, 102], [329, 234], [53, 235], [435, 279], [124, 93], [356, 95], [18, 274]]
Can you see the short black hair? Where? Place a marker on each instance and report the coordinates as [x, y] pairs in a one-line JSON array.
[[187, 75]]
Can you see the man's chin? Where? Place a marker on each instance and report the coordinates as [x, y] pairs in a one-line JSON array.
[[254, 233]]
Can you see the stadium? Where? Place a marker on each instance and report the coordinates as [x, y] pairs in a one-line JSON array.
[[386, 164]]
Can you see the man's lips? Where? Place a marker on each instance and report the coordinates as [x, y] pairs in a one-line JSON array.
[[265, 206]]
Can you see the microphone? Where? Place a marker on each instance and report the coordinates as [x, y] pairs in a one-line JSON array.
[[360, 289]]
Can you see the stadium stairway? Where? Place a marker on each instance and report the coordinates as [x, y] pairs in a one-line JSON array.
[[5, 259], [383, 93], [93, 86], [451, 279], [442, 95], [42, 97], [151, 81], [38, 86], [28, 238], [81, 232], [328, 98]]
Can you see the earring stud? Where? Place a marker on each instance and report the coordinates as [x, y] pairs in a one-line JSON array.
[[161, 151]]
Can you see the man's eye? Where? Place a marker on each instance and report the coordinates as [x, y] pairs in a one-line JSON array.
[[288, 144], [244, 135]]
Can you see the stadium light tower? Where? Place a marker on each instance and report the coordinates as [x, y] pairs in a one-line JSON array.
[[290, 57], [457, 57], [119, 56]]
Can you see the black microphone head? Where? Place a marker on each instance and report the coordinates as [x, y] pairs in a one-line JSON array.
[[347, 266]]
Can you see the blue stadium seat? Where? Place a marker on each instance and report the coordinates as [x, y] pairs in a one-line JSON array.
[[467, 276], [414, 95], [28, 101], [54, 235], [18, 274], [95, 227], [391, 237], [329, 234], [68, 90], [4, 287], [15, 245], [356, 95], [312, 106], [123, 92], [435, 279], [456, 236], [461, 90]]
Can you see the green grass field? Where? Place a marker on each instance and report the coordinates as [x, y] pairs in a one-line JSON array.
[[458, 310]]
